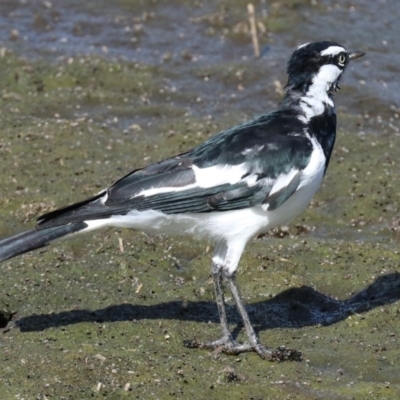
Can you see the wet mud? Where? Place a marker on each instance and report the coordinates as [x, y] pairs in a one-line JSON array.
[[91, 90]]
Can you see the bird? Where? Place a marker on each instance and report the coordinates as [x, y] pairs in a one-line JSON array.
[[234, 186]]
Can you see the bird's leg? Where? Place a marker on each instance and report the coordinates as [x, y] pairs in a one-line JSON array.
[[254, 342], [226, 344], [220, 300], [224, 258]]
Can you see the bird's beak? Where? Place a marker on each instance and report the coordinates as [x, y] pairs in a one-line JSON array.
[[355, 54]]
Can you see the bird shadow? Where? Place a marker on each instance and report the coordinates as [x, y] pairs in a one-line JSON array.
[[292, 308]]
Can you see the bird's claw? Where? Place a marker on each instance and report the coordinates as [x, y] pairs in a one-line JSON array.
[[231, 347]]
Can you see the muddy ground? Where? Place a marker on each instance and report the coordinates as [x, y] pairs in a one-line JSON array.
[[91, 90]]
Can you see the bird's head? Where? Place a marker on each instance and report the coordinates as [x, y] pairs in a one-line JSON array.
[[318, 66]]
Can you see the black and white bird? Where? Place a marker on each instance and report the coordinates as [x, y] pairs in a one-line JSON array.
[[234, 186]]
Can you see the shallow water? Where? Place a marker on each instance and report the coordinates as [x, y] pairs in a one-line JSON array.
[[210, 33], [93, 89]]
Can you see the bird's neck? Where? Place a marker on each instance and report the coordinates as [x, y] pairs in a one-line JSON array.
[[313, 94], [315, 108], [310, 100]]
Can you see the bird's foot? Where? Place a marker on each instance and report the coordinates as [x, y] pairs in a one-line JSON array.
[[223, 345], [231, 347]]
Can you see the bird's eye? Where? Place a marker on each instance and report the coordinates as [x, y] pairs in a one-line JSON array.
[[342, 59]]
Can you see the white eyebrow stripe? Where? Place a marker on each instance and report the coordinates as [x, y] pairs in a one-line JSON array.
[[303, 45], [332, 51]]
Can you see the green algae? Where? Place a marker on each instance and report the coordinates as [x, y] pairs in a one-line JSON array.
[[94, 321]]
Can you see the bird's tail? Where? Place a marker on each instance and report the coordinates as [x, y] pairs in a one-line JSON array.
[[35, 239]]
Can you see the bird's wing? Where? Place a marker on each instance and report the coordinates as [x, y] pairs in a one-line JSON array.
[[251, 164]]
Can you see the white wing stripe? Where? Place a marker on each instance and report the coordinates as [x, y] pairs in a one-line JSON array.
[[207, 178], [283, 180]]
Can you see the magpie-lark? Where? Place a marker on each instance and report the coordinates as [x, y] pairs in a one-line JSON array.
[[236, 185]]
